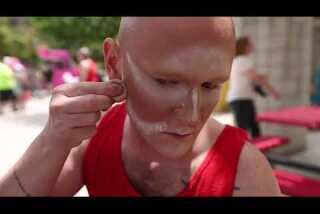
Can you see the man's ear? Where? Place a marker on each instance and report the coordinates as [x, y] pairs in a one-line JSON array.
[[111, 58]]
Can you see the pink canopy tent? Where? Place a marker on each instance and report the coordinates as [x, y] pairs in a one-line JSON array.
[[56, 56]]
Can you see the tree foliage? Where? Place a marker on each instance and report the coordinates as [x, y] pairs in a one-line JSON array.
[[58, 32], [16, 40]]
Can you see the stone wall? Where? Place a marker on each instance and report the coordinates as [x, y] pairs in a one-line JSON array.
[[283, 51]]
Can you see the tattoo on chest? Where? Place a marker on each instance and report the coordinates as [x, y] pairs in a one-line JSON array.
[[184, 182]]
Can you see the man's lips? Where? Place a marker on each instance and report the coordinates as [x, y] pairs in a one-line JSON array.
[[179, 134]]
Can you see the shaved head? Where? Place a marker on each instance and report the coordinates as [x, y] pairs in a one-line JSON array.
[[143, 34], [173, 69]]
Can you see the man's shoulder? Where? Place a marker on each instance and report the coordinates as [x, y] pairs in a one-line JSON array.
[[251, 155], [254, 175], [252, 160]]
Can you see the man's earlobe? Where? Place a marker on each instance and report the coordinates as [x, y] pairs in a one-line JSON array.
[[124, 93]]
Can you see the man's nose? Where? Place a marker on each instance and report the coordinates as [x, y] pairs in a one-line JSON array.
[[193, 107]]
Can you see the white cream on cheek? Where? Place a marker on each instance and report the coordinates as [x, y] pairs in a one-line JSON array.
[[208, 59], [181, 96], [134, 69], [148, 127]]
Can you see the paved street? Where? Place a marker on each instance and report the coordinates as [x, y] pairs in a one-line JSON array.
[[18, 129]]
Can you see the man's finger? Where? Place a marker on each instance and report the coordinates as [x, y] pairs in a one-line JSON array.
[[83, 88], [86, 103]]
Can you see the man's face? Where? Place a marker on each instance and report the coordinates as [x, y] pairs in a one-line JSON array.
[[171, 96]]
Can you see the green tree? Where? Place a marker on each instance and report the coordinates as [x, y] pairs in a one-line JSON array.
[[16, 40], [74, 32]]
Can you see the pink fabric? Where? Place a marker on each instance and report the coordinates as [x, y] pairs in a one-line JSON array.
[[58, 55], [268, 142], [54, 54], [306, 116], [57, 77], [297, 185]]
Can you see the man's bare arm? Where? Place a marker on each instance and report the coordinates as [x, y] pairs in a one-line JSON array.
[[36, 172], [255, 176], [70, 180], [74, 113]]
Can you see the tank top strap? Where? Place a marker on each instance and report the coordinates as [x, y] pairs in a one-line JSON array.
[[226, 158], [216, 175]]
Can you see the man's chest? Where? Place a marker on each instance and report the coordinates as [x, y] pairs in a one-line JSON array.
[[159, 179], [155, 184]]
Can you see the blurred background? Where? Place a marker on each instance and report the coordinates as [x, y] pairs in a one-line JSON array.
[[42, 52]]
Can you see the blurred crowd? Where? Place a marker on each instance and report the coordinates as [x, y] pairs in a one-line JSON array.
[[19, 81]]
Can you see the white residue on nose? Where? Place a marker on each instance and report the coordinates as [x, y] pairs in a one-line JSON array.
[[195, 104]]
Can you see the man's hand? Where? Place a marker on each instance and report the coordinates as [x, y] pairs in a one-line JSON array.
[[76, 108]]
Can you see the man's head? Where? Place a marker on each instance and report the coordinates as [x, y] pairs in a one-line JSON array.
[[173, 70], [83, 53]]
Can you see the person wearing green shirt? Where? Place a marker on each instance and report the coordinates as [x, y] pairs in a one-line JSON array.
[[7, 85]]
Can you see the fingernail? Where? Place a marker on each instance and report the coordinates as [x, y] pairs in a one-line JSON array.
[[117, 87]]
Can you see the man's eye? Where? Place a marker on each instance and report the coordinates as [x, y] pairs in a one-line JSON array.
[[210, 85], [165, 82]]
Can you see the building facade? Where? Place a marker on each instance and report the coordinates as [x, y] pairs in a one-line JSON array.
[[287, 49]]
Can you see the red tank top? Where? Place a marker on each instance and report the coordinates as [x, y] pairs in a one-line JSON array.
[[104, 172], [92, 75]]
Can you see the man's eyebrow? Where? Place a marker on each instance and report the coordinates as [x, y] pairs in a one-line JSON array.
[[173, 76], [219, 79], [167, 73], [171, 73]]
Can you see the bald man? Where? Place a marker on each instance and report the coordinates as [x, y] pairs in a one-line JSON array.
[[157, 137]]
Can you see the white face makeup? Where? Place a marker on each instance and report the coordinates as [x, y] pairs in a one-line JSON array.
[[149, 128], [172, 107], [195, 103]]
